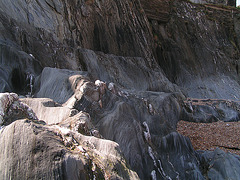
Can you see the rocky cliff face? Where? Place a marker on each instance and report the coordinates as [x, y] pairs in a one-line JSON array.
[[206, 39], [107, 83]]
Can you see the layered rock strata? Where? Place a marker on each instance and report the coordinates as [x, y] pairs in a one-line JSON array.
[[107, 83]]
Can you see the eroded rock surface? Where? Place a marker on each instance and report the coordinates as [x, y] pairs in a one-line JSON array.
[[143, 123], [211, 110], [221, 165], [108, 79], [198, 48], [42, 153], [12, 109], [48, 110]]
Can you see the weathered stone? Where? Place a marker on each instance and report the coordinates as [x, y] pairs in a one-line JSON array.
[[189, 48], [134, 51], [221, 165], [210, 110], [11, 109], [41, 153], [126, 72], [59, 85], [47, 110], [16, 69], [80, 123], [178, 153], [6, 101]]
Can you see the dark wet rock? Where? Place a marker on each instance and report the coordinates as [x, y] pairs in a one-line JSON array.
[[221, 165], [210, 110], [53, 30], [178, 153], [18, 70], [126, 72]]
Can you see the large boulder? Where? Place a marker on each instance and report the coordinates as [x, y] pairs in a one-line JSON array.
[[220, 165], [32, 150]]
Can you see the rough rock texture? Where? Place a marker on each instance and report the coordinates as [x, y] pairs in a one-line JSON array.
[[57, 84], [106, 69], [58, 28], [40, 152], [17, 70], [141, 122], [217, 161], [211, 110], [198, 49], [11, 109], [46, 109], [194, 48]]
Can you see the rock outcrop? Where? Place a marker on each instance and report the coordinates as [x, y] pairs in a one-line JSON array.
[[198, 49], [32, 150], [211, 110], [12, 109], [217, 161], [103, 85]]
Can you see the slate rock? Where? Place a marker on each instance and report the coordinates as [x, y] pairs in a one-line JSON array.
[[221, 165], [210, 110]]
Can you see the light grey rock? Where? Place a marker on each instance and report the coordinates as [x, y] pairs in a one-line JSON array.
[[59, 84], [80, 123], [36, 151], [47, 110]]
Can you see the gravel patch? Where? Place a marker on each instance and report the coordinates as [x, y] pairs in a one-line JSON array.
[[209, 136]]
